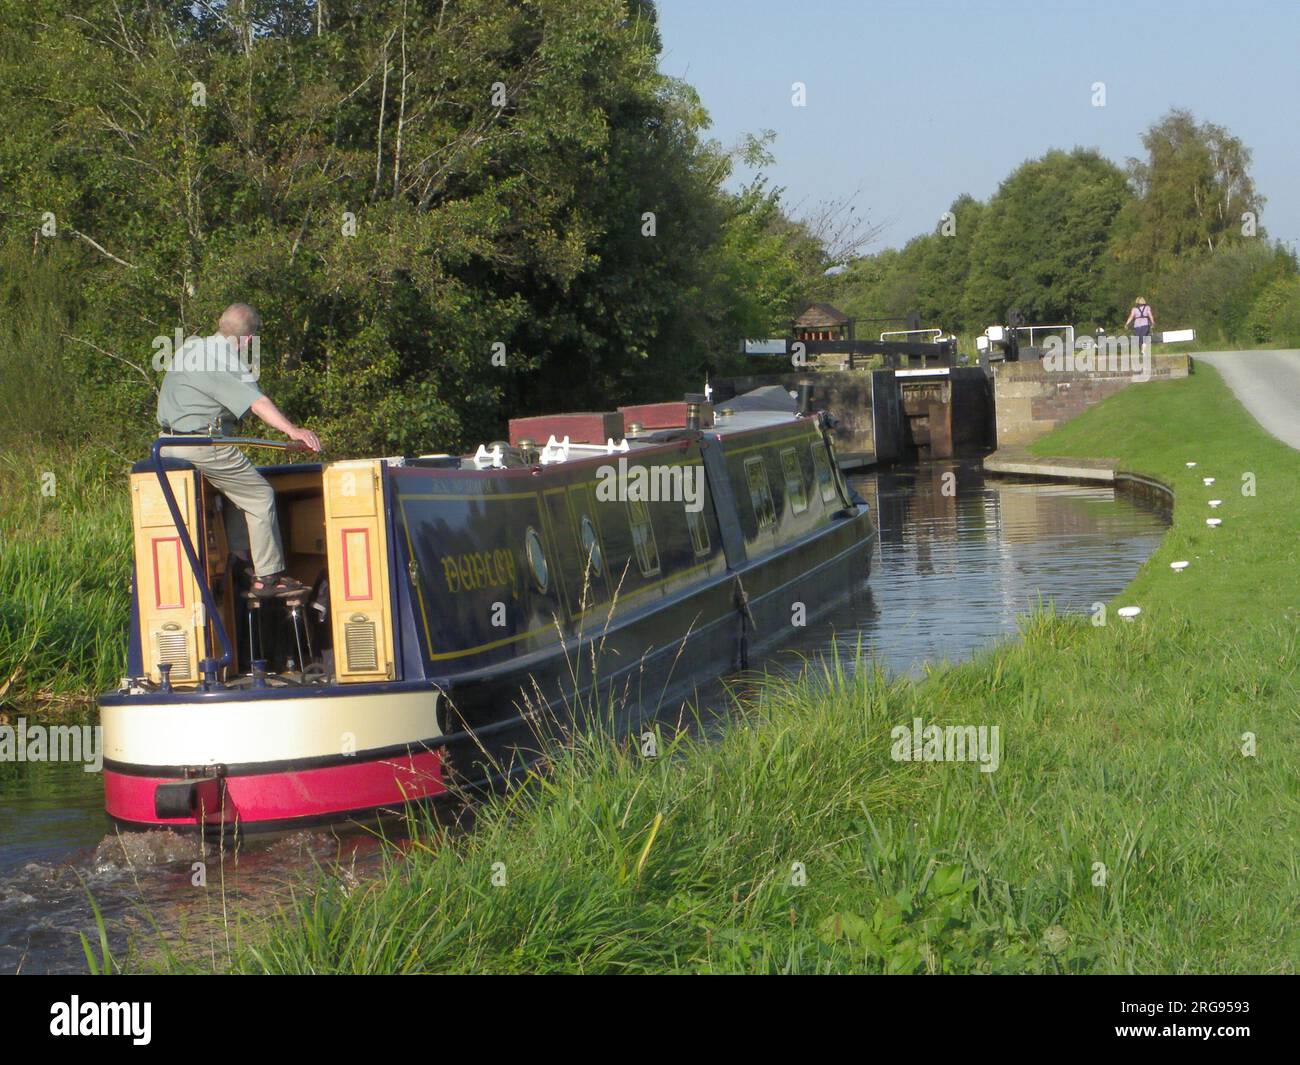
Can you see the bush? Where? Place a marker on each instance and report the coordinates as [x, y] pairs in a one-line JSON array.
[[1275, 315], [1214, 293]]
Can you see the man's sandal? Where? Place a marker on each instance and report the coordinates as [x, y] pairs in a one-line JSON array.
[[279, 587]]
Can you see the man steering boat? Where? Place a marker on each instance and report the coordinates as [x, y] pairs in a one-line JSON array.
[[205, 392]]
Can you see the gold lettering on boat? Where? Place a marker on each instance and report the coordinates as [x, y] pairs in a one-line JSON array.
[[477, 570]]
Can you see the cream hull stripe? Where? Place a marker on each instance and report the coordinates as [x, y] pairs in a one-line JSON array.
[[266, 730]]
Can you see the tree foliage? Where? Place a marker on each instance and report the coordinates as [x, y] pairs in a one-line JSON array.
[[404, 188], [1071, 238], [1193, 189], [1041, 245]]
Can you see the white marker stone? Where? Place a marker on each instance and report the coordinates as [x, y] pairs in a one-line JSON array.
[[1128, 613], [1215, 502], [1213, 523], [1207, 481], [1190, 465], [1179, 566]]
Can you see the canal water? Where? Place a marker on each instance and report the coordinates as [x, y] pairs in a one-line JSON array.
[[960, 557]]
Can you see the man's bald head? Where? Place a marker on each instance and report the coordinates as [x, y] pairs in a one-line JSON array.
[[239, 320]]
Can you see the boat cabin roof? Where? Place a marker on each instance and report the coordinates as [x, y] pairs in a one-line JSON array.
[[763, 408]]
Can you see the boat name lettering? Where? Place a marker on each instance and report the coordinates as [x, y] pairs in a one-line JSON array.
[[470, 571]]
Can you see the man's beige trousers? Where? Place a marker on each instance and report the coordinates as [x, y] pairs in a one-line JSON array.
[[250, 523]]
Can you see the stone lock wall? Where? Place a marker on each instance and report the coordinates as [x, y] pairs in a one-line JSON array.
[[1031, 400]]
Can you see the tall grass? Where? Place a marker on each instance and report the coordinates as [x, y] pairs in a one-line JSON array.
[[64, 506], [707, 857], [65, 564]]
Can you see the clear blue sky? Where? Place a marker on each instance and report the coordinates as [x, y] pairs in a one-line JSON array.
[[917, 102]]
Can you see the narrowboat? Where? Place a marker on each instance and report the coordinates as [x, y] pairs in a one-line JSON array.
[[463, 609]]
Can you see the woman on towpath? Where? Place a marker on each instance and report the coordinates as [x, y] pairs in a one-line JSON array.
[[1142, 319]]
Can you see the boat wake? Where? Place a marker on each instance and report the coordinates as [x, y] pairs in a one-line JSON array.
[[158, 892]]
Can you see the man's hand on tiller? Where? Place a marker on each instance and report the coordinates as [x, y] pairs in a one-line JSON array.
[[305, 437]]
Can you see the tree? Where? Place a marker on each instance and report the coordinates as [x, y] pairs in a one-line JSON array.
[[1192, 191], [945, 258], [1041, 244]]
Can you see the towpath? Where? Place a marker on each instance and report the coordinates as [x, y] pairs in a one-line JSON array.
[[1268, 385]]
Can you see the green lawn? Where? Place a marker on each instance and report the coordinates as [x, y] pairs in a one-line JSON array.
[[1124, 830]]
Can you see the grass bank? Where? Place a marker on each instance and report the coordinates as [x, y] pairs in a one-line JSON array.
[[65, 556], [1124, 830]]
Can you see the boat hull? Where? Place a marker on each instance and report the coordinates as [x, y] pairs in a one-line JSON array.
[[275, 799], [268, 758]]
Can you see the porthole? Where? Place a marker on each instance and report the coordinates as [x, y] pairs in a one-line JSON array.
[[537, 560]]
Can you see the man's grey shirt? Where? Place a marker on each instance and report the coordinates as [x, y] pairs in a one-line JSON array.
[[206, 385]]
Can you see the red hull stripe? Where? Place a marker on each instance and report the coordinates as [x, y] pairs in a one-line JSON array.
[[307, 793]]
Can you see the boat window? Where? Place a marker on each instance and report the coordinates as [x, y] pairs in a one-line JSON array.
[[699, 527], [760, 492], [796, 491], [589, 540], [643, 538], [822, 465], [537, 559]]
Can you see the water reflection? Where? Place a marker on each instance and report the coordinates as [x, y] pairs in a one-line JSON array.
[[961, 556]]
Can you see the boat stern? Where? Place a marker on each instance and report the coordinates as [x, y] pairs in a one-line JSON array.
[[269, 760]]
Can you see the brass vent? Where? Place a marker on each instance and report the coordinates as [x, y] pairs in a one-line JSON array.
[[359, 638], [174, 647]]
